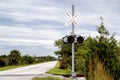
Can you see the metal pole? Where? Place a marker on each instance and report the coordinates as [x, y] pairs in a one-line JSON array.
[[73, 46], [73, 42]]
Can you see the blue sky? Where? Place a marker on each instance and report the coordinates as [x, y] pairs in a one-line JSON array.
[[32, 26]]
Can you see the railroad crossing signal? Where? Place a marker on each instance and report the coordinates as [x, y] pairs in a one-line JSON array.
[[73, 39]]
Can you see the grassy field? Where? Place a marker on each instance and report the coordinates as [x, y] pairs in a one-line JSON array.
[[57, 71], [46, 78], [11, 67], [15, 66]]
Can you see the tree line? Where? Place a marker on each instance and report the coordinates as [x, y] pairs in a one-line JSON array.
[[97, 58], [15, 58]]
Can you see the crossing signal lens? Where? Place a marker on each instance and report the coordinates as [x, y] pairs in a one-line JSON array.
[[65, 40], [80, 39], [70, 39]]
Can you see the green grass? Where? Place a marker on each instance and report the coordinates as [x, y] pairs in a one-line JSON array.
[[15, 66], [57, 71], [11, 67], [45, 78]]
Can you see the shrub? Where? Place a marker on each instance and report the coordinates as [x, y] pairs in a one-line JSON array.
[[2, 62]]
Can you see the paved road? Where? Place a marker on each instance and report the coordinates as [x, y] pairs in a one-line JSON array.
[[26, 73]]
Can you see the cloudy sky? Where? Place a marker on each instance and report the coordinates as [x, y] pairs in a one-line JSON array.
[[32, 26]]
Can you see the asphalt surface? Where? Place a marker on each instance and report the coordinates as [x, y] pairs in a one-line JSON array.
[[28, 72]]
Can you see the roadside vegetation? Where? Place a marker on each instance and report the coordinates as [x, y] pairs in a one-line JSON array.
[[11, 67], [14, 60], [57, 71], [46, 78], [98, 58]]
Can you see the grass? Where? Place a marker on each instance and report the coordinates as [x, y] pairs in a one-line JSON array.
[[45, 78], [57, 71], [54, 71], [99, 72], [15, 66], [12, 67]]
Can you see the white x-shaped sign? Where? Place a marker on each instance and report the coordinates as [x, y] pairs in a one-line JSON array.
[[72, 19]]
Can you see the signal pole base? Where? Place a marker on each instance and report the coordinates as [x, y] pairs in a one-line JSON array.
[[73, 77]]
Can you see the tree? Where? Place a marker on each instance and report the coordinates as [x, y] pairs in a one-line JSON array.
[[64, 53], [26, 59], [97, 57], [2, 62], [103, 50], [14, 57]]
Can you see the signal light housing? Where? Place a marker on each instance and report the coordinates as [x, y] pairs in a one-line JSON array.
[[73, 38], [65, 39], [80, 39], [70, 39]]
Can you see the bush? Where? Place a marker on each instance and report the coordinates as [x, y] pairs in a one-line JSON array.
[[2, 62], [28, 59], [106, 49]]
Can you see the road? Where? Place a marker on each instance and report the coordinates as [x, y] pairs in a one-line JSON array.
[[26, 73]]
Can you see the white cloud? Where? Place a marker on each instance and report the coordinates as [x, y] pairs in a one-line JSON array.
[[30, 33], [24, 11], [39, 22], [31, 38], [16, 41]]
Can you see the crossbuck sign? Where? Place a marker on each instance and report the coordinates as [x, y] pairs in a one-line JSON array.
[[71, 19]]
